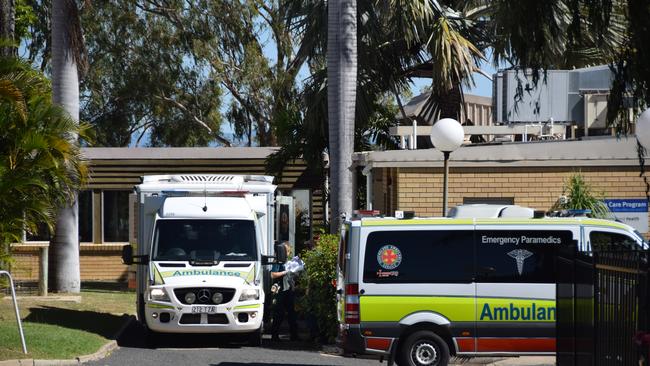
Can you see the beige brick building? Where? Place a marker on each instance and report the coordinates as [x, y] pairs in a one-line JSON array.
[[106, 221], [527, 174]]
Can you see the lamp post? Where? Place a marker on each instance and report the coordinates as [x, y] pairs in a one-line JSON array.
[[446, 135], [642, 129]]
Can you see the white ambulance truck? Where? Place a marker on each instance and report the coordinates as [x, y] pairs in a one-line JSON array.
[[202, 244], [481, 283]]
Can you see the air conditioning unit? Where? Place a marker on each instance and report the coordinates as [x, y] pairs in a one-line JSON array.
[[595, 110]]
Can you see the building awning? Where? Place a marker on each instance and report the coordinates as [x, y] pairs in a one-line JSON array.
[[164, 153], [608, 151]]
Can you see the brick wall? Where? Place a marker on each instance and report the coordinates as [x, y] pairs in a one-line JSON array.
[[98, 262], [102, 262], [420, 189], [26, 265]]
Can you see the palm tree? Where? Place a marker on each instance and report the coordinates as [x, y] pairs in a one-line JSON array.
[[39, 167], [7, 27], [341, 101], [66, 46]]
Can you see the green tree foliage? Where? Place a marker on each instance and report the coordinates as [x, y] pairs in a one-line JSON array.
[[320, 294], [25, 18], [579, 195], [145, 78], [170, 73], [39, 167]]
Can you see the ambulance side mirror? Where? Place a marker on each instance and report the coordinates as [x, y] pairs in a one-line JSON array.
[[128, 257], [127, 254], [279, 257]]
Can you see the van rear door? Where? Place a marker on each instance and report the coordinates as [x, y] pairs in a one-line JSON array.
[[341, 270]]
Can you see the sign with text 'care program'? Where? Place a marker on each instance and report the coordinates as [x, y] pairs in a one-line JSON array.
[[631, 211]]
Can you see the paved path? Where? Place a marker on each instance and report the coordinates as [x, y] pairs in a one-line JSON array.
[[209, 350]]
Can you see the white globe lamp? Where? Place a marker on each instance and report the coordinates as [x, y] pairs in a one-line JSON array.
[[643, 129], [446, 135]]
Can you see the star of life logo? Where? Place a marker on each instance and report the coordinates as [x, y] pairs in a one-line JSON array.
[[520, 255], [389, 257]]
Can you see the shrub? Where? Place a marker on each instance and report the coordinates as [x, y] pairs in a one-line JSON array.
[[579, 195], [319, 301]]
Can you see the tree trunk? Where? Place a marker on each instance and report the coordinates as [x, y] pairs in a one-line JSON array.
[[7, 26], [341, 101], [64, 248], [451, 103]]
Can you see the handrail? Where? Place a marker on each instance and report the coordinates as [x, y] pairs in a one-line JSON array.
[[13, 295]]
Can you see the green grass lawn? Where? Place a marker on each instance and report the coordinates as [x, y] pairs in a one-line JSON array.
[[63, 329]]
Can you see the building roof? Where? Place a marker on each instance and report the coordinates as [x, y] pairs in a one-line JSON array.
[[123, 167], [608, 151], [415, 106], [165, 153]]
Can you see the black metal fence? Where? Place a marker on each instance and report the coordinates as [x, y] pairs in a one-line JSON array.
[[602, 304]]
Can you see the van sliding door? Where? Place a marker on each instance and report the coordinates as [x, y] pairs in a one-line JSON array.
[[516, 307]]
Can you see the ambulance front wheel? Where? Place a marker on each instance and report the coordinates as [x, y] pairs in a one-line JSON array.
[[423, 348], [255, 338]]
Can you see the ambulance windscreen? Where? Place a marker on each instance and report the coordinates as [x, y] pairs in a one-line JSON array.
[[204, 240]]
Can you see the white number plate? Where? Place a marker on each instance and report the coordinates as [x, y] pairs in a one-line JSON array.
[[204, 309]]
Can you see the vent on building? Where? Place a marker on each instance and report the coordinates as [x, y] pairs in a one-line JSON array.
[[206, 178]]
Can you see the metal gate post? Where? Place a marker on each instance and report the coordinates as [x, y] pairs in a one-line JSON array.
[[13, 296]]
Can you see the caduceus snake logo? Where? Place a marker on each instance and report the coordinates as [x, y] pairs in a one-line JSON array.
[[520, 256]]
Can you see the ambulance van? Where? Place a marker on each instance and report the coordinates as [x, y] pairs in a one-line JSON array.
[[418, 291], [203, 248]]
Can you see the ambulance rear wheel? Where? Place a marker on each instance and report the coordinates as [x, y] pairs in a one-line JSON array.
[[423, 348]]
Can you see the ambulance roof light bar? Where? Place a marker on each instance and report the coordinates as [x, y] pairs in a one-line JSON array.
[[207, 179], [404, 215], [358, 214], [570, 213], [204, 193]]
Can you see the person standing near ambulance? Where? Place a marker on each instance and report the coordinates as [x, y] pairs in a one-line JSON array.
[[285, 299]]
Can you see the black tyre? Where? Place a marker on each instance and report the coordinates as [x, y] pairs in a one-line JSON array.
[[255, 338], [423, 348], [151, 338], [141, 316]]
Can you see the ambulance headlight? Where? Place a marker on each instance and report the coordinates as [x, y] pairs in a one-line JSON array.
[[190, 298], [217, 298], [158, 294], [250, 294]]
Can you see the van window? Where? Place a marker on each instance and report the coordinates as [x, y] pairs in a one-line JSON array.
[[603, 241], [343, 249], [225, 240], [519, 255], [425, 256]]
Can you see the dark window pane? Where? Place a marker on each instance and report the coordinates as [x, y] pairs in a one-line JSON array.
[[519, 255], [85, 216], [116, 216], [42, 234], [489, 200], [228, 240], [419, 256], [344, 250], [603, 241]]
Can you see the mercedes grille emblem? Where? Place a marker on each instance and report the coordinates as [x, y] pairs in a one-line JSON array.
[[204, 295]]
